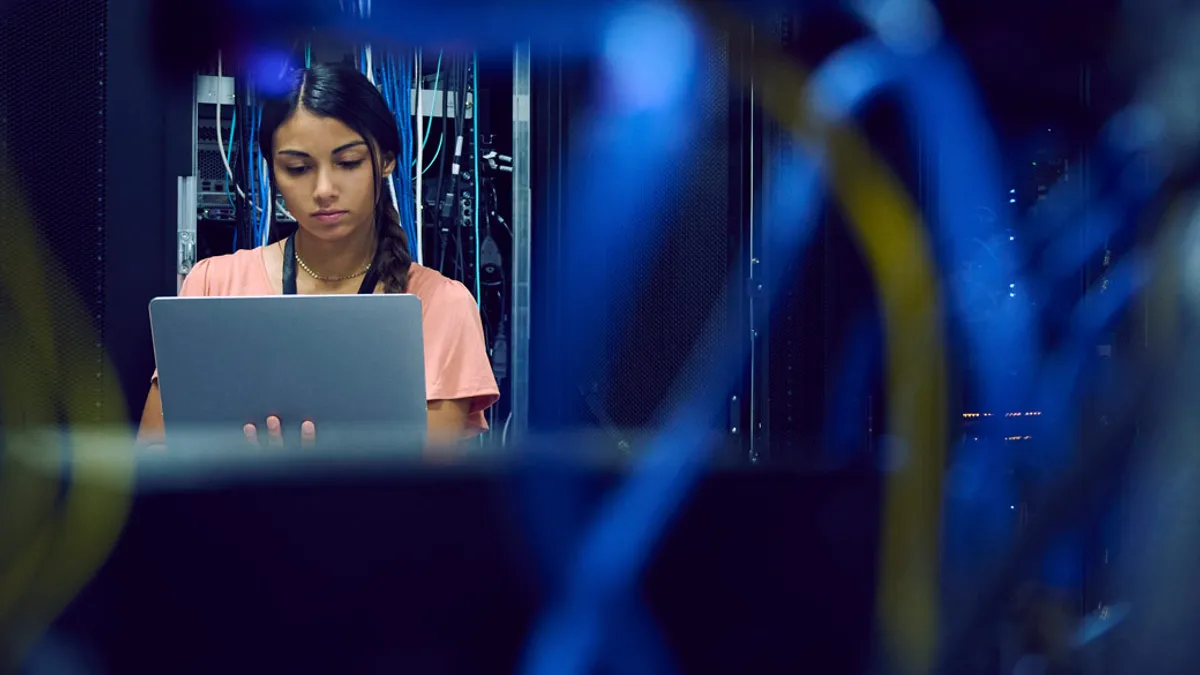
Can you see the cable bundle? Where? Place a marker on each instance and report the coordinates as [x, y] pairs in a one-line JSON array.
[[259, 196], [437, 85], [249, 183], [394, 77]]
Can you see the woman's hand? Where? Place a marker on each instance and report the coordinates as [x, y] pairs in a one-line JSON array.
[[308, 433]]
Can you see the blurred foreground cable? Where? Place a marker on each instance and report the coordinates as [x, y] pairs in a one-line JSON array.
[[643, 125], [184, 35], [887, 225], [58, 524], [1162, 532], [1099, 468], [1060, 505], [646, 118], [599, 588]]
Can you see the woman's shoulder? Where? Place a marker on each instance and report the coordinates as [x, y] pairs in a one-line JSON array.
[[437, 290], [239, 273], [238, 260]]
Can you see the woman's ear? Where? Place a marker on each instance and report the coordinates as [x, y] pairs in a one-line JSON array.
[[388, 165]]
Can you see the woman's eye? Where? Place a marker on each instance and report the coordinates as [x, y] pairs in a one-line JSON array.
[[296, 170], [353, 164]]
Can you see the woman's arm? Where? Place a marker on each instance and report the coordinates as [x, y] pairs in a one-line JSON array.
[[447, 421], [459, 379], [150, 431]]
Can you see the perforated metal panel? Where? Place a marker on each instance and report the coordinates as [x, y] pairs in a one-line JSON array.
[[662, 315], [212, 169], [52, 127]]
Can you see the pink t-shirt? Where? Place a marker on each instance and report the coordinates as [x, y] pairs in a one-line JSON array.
[[456, 361]]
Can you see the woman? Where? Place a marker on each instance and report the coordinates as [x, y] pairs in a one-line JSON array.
[[330, 143]]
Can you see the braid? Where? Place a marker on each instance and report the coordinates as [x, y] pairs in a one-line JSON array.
[[392, 256]]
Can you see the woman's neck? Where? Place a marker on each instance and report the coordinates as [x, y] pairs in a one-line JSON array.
[[335, 258]]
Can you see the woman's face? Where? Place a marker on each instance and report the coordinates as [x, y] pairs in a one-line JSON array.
[[323, 170]]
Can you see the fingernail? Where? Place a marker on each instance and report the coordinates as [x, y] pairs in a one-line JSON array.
[[273, 424], [308, 428], [249, 430]]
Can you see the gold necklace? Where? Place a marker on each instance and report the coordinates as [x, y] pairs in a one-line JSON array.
[[318, 277]]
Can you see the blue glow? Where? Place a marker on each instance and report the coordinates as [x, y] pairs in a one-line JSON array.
[[268, 71], [909, 26], [940, 103], [649, 52]]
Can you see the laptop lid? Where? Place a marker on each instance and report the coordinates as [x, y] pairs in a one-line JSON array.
[[352, 364]]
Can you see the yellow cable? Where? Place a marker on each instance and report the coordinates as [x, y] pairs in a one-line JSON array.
[[51, 545], [888, 228]]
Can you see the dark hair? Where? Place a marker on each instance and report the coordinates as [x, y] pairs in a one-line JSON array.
[[346, 95]]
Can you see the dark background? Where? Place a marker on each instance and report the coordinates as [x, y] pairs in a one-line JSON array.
[[326, 577]]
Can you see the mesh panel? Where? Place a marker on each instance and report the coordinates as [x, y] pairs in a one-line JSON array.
[[665, 311], [210, 166], [52, 125]]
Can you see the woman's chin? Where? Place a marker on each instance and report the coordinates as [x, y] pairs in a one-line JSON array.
[[331, 232]]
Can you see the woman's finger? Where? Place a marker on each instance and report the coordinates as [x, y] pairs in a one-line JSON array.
[[274, 432], [308, 434], [251, 433]]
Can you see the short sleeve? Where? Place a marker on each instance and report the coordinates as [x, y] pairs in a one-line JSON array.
[[194, 284], [456, 359]]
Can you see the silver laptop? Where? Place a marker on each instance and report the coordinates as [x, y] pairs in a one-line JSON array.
[[353, 364]]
